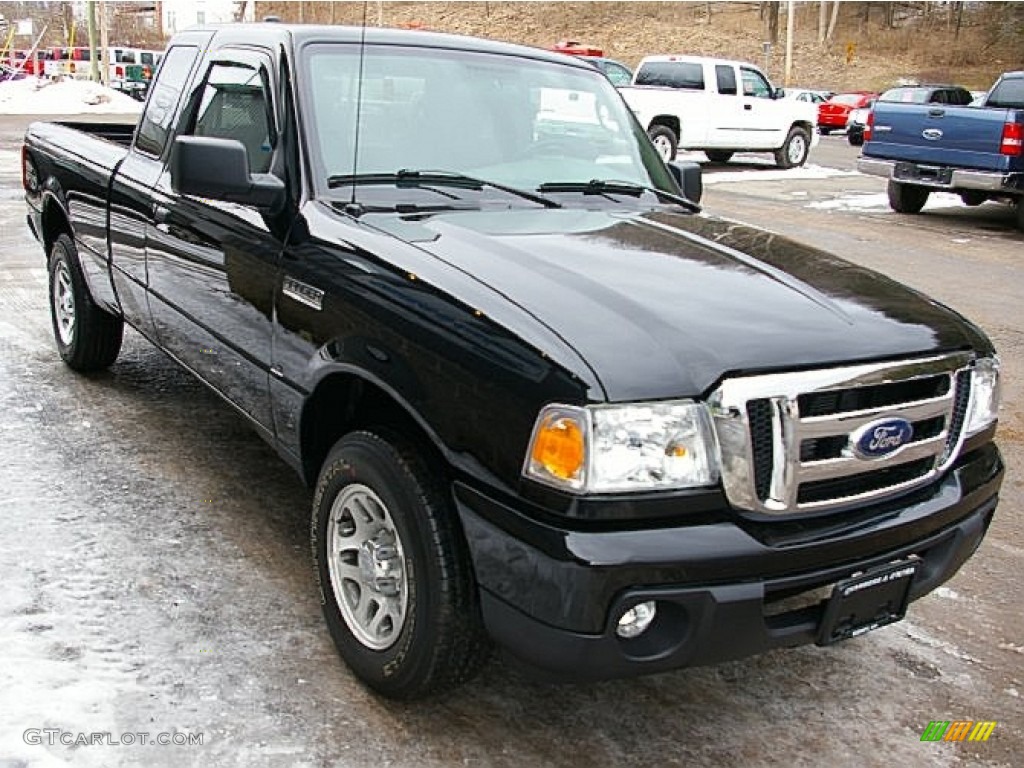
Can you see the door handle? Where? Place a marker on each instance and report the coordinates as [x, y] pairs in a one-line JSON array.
[[160, 214], [748, 107]]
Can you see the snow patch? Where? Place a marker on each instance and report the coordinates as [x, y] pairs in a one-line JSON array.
[[947, 593], [807, 172], [39, 96], [880, 202]]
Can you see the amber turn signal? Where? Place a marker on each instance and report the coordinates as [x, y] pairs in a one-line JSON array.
[[558, 448]]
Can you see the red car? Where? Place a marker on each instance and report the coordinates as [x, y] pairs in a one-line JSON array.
[[833, 113]]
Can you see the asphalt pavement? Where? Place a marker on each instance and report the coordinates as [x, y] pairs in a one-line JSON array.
[[156, 576]]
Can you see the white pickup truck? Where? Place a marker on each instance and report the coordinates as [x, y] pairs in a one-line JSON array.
[[720, 107]]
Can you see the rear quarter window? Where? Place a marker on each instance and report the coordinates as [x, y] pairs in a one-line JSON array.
[[726, 77], [1008, 93]]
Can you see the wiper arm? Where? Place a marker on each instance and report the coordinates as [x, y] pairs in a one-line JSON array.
[[605, 187], [414, 178]]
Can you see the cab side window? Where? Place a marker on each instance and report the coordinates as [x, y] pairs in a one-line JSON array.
[[155, 124], [235, 105], [754, 84]]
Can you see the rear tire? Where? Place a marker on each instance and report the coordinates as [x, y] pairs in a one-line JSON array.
[[907, 198], [1020, 213], [718, 155], [396, 583], [88, 338], [664, 140], [824, 131], [856, 138], [794, 150]]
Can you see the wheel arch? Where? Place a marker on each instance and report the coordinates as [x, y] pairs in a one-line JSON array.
[[804, 125], [54, 221], [669, 121], [346, 399]]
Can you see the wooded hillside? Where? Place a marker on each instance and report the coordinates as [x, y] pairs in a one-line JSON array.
[[872, 45]]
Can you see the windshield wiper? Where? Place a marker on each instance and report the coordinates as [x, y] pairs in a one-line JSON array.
[[605, 187], [412, 178]]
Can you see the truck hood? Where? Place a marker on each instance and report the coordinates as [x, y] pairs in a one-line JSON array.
[[664, 305]]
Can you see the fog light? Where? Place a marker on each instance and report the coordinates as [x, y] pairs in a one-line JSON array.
[[636, 620]]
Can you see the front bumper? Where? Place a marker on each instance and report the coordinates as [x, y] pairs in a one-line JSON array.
[[959, 178], [552, 597]]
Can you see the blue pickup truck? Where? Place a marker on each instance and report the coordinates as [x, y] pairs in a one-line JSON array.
[[976, 152]]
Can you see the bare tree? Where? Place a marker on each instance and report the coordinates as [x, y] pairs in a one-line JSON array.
[[822, 20], [832, 22], [772, 9]]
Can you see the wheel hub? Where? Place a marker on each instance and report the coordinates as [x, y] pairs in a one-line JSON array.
[[64, 303], [365, 561], [380, 564]]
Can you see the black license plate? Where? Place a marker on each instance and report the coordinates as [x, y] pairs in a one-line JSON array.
[[866, 602], [929, 174]]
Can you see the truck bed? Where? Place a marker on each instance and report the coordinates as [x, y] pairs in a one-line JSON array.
[[118, 133], [959, 137]]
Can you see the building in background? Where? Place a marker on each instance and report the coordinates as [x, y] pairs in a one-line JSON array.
[[182, 14]]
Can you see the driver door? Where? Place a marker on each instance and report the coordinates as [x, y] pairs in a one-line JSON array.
[[763, 120]]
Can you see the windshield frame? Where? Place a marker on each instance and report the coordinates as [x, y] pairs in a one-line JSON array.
[[649, 162]]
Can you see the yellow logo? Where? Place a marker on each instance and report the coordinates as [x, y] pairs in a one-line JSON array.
[[958, 730]]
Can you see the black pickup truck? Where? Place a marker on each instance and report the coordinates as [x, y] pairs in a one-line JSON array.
[[543, 400]]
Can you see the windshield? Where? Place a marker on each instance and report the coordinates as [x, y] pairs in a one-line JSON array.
[[509, 120], [848, 99], [907, 95]]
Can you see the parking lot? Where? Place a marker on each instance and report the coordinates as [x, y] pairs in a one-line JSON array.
[[156, 570]]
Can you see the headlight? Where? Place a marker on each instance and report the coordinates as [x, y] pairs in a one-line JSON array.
[[984, 405], [609, 448]]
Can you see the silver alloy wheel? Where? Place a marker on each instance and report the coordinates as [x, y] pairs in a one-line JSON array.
[[664, 147], [797, 148], [64, 303], [366, 563]]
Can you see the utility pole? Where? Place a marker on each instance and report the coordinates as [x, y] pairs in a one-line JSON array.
[[90, 20], [789, 42], [104, 45]]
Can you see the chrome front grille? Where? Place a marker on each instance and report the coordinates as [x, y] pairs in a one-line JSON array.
[[787, 439]]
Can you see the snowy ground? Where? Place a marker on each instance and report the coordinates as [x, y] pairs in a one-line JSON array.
[[155, 577], [880, 202], [39, 96]]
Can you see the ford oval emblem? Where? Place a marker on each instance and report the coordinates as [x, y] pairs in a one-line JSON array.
[[881, 438], [932, 134]]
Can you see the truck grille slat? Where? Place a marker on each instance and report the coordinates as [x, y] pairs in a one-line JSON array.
[[865, 398], [788, 441], [856, 485], [759, 413]]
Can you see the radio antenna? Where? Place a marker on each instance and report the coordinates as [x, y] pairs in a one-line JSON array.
[[354, 208]]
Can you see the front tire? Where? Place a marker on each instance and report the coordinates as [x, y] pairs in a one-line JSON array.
[[718, 155], [794, 150], [856, 138], [88, 337], [396, 584], [906, 198], [664, 140]]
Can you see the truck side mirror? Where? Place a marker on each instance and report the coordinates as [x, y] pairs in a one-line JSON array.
[[219, 169], [688, 177], [779, 93]]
